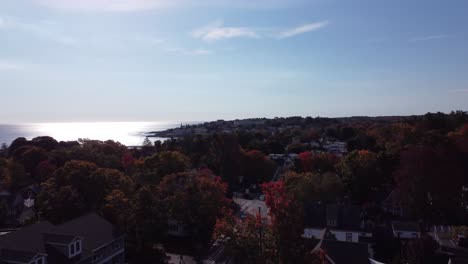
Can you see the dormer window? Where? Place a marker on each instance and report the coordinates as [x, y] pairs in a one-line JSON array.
[[75, 248]]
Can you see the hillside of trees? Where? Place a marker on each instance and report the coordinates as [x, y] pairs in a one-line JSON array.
[[192, 179]]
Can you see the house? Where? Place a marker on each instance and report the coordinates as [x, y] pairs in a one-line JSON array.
[[406, 230], [356, 236], [87, 239], [345, 216], [176, 228], [335, 147], [451, 243], [395, 205], [350, 236], [19, 206]]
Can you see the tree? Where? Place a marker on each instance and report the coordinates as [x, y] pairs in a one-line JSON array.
[[128, 162], [195, 200], [13, 176], [225, 159], [44, 170], [78, 187], [105, 154], [250, 240], [29, 157], [361, 174], [430, 180], [143, 223], [257, 167], [5, 175], [104, 182], [421, 250], [154, 168], [63, 196], [17, 143], [147, 147], [286, 219], [117, 209], [47, 143]]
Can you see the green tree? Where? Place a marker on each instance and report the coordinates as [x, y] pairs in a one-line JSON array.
[[361, 174], [195, 200]]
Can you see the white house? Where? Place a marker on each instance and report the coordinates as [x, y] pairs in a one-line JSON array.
[[406, 230], [340, 235]]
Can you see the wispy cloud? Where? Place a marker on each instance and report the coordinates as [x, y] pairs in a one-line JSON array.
[[143, 5], [38, 28], [193, 52], [426, 38], [302, 29], [217, 31]]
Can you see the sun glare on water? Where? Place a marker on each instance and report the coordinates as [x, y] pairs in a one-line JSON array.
[[128, 133]]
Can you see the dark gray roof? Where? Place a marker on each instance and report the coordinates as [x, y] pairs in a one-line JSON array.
[[16, 256], [95, 230], [458, 260], [348, 216], [346, 252], [30, 241], [59, 238], [406, 226]]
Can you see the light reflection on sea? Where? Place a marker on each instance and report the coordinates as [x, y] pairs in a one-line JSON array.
[[127, 133]]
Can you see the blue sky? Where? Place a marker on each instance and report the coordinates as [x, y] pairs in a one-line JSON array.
[[145, 60]]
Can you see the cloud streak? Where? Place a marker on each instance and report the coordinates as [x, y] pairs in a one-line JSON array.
[[426, 38], [192, 52], [302, 29], [217, 31]]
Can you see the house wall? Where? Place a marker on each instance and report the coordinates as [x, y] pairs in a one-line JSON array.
[[341, 235], [313, 233], [113, 252]]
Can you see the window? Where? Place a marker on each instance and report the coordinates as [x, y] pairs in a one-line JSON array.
[[97, 257], [75, 248], [349, 237], [174, 228], [115, 245]]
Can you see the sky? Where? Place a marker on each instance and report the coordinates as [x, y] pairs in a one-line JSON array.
[[200, 60]]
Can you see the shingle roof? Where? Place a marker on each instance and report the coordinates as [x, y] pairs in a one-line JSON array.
[[95, 229], [16, 255], [458, 260], [59, 238], [346, 252], [30, 241], [406, 226]]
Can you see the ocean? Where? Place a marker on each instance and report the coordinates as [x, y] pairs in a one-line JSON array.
[[127, 133]]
